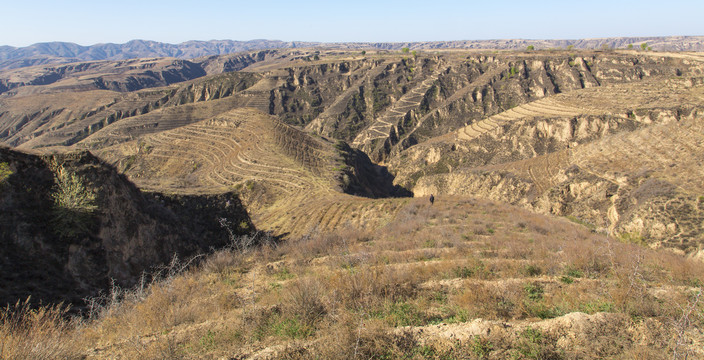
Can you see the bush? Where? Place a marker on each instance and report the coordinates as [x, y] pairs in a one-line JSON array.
[[73, 204], [533, 344], [5, 172]]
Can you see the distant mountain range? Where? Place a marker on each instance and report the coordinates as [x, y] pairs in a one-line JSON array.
[[63, 52]]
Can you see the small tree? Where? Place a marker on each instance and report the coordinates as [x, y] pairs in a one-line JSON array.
[[644, 46], [316, 57], [405, 50], [630, 47], [364, 52], [570, 47], [5, 171], [530, 48], [414, 53], [73, 203]]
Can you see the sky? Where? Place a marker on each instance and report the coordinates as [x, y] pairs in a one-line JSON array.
[[102, 21]]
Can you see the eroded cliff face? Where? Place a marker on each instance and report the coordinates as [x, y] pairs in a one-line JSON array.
[[385, 106], [71, 224], [631, 175], [515, 141]]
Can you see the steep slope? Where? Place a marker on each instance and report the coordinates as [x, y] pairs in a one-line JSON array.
[[282, 173], [71, 225], [623, 158]]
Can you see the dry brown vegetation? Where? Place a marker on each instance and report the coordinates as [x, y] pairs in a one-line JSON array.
[[464, 278]]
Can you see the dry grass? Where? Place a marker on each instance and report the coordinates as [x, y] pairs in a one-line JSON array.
[[351, 295], [43, 333]]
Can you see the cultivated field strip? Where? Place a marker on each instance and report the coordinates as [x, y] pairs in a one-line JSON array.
[[300, 216], [541, 170], [672, 151], [226, 151], [546, 107]]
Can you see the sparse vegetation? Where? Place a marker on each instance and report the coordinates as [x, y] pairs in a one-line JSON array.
[[42, 334], [361, 292], [530, 48]]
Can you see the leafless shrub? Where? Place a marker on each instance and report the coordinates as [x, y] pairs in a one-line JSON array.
[[691, 313], [305, 300]]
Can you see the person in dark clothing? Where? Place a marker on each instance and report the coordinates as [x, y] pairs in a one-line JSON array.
[[432, 199]]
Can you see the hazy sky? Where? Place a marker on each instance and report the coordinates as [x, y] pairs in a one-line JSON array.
[[25, 22]]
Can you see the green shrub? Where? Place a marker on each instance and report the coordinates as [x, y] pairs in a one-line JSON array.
[[633, 238], [481, 347], [580, 222], [572, 272], [533, 344], [5, 172], [566, 279], [463, 272], [73, 204], [532, 270], [533, 292]]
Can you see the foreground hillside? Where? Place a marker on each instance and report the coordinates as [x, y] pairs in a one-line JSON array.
[[462, 278]]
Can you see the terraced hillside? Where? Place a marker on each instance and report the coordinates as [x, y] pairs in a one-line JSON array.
[[289, 179], [624, 158], [322, 147], [445, 122]]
